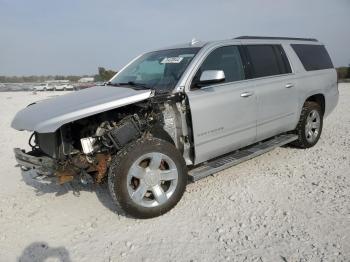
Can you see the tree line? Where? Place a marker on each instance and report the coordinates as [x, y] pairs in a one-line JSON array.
[[102, 76], [343, 72]]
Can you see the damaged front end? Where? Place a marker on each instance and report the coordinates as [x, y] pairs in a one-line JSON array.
[[34, 160], [74, 135], [87, 169], [83, 149], [79, 150]]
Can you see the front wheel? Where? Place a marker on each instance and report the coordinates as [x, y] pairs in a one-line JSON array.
[[310, 125], [147, 178]]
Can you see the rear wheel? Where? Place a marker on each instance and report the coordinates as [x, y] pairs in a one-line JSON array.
[[309, 128], [147, 178]]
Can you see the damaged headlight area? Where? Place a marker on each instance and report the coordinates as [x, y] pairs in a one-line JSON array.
[[113, 135], [68, 153]]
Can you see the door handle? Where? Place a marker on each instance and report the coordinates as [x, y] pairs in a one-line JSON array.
[[289, 85], [247, 94]]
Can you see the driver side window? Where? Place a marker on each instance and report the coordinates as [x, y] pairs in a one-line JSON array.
[[227, 59]]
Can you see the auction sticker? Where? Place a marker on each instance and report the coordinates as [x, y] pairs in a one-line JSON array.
[[171, 60]]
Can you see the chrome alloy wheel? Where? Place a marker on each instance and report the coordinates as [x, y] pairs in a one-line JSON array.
[[312, 127], [152, 179]]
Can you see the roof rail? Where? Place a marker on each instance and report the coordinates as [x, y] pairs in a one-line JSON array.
[[276, 38]]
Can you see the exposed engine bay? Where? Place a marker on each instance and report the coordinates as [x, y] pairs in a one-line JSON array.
[[84, 148]]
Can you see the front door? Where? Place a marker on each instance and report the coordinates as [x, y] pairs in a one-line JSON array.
[[223, 114]]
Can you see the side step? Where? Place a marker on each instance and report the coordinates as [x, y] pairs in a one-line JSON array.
[[239, 156]]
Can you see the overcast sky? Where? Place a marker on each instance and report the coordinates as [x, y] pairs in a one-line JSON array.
[[76, 36]]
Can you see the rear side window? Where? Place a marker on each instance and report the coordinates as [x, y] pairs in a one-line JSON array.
[[267, 60], [313, 57]]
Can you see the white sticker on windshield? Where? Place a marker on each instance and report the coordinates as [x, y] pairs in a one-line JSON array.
[[171, 60]]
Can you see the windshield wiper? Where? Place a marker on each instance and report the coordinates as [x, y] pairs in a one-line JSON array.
[[111, 84], [133, 84]]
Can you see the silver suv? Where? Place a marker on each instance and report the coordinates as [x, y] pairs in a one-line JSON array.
[[182, 113]]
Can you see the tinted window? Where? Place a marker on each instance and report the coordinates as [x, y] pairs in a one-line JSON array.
[[313, 57], [267, 60], [225, 58]]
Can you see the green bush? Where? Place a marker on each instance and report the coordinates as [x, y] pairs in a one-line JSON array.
[[343, 72]]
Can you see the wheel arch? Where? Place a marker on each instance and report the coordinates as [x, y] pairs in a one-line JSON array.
[[158, 132], [319, 98]]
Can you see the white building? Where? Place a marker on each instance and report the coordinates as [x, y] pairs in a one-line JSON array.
[[86, 80], [57, 81]]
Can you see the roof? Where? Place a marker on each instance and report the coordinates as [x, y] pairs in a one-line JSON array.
[[276, 38], [186, 45], [245, 39]]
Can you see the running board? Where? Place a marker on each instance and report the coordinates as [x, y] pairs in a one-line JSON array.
[[239, 156]]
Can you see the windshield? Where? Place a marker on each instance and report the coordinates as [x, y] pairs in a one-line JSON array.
[[159, 70]]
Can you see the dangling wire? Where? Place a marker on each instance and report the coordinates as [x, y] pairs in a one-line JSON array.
[[30, 141]]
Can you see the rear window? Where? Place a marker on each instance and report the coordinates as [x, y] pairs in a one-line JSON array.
[[267, 60], [313, 57]]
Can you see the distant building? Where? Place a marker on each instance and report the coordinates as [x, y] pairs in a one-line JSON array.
[[86, 80], [57, 81]]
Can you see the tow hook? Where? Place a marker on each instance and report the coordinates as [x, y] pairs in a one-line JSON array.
[[85, 178]]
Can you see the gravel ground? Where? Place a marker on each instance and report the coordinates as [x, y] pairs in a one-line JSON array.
[[286, 205]]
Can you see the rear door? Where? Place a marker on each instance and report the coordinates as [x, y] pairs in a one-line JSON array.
[[275, 89], [224, 114]]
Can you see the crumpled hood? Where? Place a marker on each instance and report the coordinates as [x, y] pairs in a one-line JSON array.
[[48, 115]]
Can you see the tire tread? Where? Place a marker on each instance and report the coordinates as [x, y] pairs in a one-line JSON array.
[[301, 142]]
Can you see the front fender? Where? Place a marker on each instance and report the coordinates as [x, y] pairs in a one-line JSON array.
[[49, 115]]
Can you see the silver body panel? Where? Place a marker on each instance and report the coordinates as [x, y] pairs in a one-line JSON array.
[[223, 117], [48, 115]]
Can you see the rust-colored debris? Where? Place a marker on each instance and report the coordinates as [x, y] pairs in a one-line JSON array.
[[99, 165], [80, 161], [65, 176], [102, 166]]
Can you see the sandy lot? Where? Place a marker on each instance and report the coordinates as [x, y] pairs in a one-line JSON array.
[[287, 205]]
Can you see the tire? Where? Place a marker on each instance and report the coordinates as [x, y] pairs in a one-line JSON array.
[[305, 140], [135, 180]]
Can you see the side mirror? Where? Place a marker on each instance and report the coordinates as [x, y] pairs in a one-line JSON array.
[[211, 77]]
